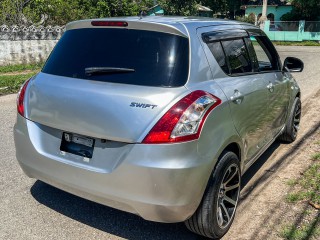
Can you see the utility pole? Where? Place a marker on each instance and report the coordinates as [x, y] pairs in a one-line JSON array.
[[263, 18]]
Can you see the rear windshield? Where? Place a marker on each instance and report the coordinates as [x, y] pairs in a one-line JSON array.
[[153, 58]]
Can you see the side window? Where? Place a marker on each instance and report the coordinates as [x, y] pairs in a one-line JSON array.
[[267, 59], [237, 56], [232, 55], [238, 53], [252, 54], [218, 53]]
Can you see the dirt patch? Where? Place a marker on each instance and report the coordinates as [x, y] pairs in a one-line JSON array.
[[263, 210], [18, 73]]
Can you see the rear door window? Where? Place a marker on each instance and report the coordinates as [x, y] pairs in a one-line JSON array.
[[237, 55], [252, 54], [157, 59], [231, 54], [217, 51]]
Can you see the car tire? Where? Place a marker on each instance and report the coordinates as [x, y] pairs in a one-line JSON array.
[[215, 214], [290, 132]]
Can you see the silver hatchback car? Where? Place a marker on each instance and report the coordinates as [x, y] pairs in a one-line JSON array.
[[157, 116]]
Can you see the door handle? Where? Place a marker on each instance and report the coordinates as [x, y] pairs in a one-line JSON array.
[[237, 97], [270, 86]]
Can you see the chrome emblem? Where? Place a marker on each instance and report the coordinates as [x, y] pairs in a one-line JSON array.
[[142, 105]]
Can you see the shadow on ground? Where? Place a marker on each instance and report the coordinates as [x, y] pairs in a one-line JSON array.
[[106, 219], [130, 226], [274, 216], [117, 222]]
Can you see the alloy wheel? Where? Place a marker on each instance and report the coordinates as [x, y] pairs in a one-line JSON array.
[[228, 196], [296, 120]]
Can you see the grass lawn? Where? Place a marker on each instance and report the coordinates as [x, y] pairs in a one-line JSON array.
[[12, 83], [20, 67], [306, 189], [303, 43], [13, 76]]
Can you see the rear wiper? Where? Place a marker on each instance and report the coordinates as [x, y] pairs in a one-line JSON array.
[[107, 70]]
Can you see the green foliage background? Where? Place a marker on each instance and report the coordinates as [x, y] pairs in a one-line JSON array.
[[179, 7], [60, 12], [308, 10]]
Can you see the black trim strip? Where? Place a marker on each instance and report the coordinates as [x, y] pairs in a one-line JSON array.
[[224, 35]]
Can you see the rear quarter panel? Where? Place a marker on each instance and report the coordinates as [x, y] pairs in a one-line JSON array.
[[218, 131]]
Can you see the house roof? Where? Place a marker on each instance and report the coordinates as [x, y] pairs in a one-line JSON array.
[[155, 6], [203, 8]]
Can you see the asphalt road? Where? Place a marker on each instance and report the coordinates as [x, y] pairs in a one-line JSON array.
[[30, 209]]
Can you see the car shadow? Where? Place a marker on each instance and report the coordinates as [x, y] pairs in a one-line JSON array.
[[109, 220], [119, 223], [269, 173], [257, 165]]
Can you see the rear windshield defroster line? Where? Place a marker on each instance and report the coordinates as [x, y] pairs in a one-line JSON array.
[[158, 59]]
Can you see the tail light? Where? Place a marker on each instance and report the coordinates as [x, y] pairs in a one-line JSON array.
[[184, 120], [20, 99]]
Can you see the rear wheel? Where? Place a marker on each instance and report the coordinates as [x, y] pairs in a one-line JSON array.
[[216, 212], [293, 123]]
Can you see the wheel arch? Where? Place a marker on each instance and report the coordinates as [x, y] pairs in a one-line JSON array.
[[199, 222], [233, 147]]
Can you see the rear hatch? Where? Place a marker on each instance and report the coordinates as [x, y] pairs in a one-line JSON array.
[[109, 83]]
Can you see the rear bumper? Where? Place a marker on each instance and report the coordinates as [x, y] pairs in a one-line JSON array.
[[162, 183]]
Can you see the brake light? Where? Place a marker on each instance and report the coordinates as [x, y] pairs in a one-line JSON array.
[[109, 24], [184, 120], [20, 99]]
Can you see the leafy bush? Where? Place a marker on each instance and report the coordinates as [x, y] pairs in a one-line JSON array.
[[249, 19]]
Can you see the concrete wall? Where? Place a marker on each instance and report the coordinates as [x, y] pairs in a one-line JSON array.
[[25, 51], [297, 36], [27, 44]]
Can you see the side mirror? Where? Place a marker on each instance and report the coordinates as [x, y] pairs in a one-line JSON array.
[[292, 64]]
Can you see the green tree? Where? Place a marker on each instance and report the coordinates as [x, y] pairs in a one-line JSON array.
[[60, 12], [12, 11], [179, 7], [308, 10], [229, 8], [217, 6], [52, 12]]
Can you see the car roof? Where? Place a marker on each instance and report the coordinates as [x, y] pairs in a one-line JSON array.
[[171, 19], [171, 24]]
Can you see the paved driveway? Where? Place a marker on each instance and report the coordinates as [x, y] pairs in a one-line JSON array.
[[30, 209]]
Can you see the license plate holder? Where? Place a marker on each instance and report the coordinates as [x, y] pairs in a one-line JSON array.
[[77, 144]]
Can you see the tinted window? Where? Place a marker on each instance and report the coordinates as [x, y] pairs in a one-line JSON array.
[[158, 59], [217, 51], [252, 54], [237, 56], [232, 55]]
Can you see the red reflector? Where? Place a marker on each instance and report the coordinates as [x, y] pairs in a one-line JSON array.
[[109, 24], [20, 100]]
